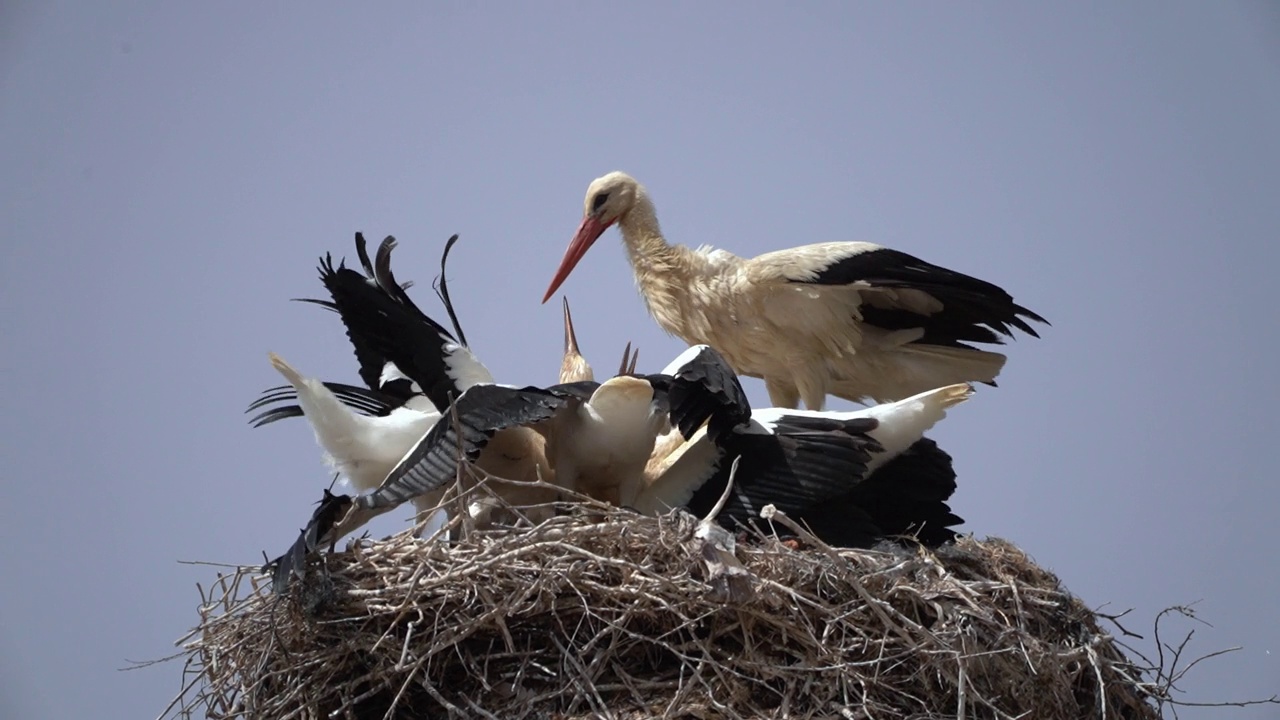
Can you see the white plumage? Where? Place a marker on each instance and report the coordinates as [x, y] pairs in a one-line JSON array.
[[851, 319], [895, 427]]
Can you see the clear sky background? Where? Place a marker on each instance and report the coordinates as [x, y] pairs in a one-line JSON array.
[[170, 172]]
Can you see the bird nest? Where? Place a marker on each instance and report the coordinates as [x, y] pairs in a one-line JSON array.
[[603, 613]]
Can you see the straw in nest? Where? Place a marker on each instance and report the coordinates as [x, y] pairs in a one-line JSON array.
[[603, 613]]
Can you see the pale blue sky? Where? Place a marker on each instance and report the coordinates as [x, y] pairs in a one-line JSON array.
[[169, 173]]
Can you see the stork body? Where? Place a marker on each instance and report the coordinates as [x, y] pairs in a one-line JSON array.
[[600, 436], [600, 446], [853, 477], [366, 433], [852, 319]]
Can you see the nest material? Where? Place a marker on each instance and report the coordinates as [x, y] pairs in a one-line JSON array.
[[602, 613]]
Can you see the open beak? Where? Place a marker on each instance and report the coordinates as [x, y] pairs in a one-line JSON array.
[[628, 366], [570, 339], [588, 232]]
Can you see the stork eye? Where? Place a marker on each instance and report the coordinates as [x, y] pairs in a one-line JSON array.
[[598, 201]]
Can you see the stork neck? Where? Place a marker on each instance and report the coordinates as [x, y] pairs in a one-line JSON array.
[[653, 259], [664, 273], [641, 233]]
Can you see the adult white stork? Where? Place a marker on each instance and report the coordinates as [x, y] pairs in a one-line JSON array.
[[366, 433], [852, 319]]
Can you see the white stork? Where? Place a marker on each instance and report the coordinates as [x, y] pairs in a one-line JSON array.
[[574, 367], [599, 435], [366, 433], [834, 471], [852, 319], [852, 477]]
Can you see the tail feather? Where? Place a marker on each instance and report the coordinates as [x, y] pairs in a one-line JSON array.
[[294, 377], [343, 434], [907, 369], [904, 422], [943, 365], [908, 496]]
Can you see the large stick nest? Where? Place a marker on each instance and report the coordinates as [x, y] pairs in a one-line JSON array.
[[602, 613]]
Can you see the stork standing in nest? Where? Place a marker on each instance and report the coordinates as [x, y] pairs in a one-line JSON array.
[[852, 319]]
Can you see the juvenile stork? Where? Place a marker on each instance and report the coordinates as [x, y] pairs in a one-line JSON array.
[[574, 367], [854, 477], [852, 319], [366, 433], [599, 435]]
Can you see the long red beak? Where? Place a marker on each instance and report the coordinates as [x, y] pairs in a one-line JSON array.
[[588, 232]]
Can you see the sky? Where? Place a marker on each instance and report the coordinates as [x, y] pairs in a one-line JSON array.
[[170, 173]]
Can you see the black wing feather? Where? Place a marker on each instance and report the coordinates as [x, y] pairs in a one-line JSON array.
[[362, 400], [905, 496], [814, 469], [481, 411], [973, 310], [391, 326], [442, 289], [703, 390], [371, 362], [386, 279], [580, 390], [802, 465], [293, 562]]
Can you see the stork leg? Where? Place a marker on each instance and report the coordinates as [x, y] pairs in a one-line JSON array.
[[812, 386], [782, 393], [427, 507]]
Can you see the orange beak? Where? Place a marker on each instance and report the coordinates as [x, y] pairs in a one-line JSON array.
[[588, 232]]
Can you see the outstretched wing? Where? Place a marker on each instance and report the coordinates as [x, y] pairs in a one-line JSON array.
[[373, 365], [390, 326], [480, 412]]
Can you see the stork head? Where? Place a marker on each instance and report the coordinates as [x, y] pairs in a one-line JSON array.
[[608, 200], [574, 367], [626, 401]]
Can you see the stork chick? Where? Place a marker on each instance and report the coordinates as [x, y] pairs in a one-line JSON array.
[[401, 351], [600, 447], [574, 367]]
